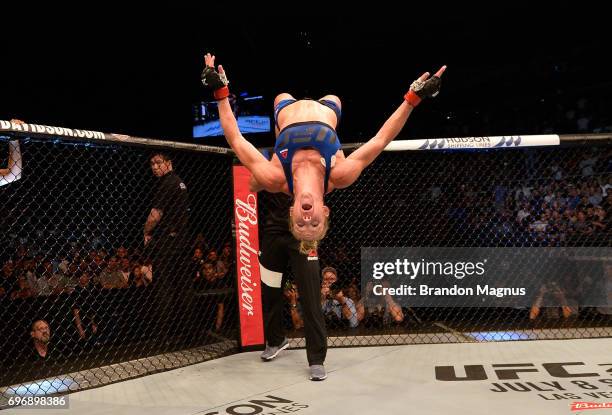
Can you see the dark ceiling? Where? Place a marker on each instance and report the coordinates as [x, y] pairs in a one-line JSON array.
[[138, 72]]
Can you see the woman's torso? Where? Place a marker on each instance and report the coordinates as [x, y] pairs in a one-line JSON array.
[[307, 111]]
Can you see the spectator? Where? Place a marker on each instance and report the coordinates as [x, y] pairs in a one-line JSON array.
[[121, 253], [137, 277], [197, 261], [337, 308], [291, 294], [583, 204], [218, 265], [24, 290], [82, 307], [601, 221], [111, 276], [539, 225], [103, 254], [573, 198], [203, 278], [523, 213], [581, 226], [41, 339], [97, 265], [595, 197], [210, 281], [381, 310], [226, 257], [147, 269], [587, 165], [198, 256], [352, 292], [551, 293], [29, 271], [125, 269], [201, 243], [49, 282], [8, 279]]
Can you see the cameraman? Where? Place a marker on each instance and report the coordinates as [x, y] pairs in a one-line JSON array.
[[379, 311], [337, 308], [551, 293]]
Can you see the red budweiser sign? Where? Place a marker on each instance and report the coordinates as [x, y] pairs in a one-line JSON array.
[[581, 406], [247, 260]]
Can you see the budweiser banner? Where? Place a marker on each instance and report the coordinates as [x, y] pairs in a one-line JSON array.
[[247, 260]]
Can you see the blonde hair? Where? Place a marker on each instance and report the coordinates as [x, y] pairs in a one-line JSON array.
[[307, 246]]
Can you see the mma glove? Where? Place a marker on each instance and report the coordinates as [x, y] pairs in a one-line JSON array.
[[420, 90], [215, 81]]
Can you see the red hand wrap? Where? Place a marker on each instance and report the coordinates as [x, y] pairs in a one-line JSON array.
[[222, 93], [412, 98]]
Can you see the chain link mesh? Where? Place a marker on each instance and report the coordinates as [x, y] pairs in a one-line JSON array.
[[79, 208], [72, 254], [522, 197]]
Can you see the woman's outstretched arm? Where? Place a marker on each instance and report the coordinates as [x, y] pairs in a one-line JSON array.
[[351, 168], [265, 176]]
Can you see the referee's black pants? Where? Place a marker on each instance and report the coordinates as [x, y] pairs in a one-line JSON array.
[[278, 251]]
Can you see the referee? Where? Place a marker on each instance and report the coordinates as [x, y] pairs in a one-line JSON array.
[[279, 250], [165, 239]]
